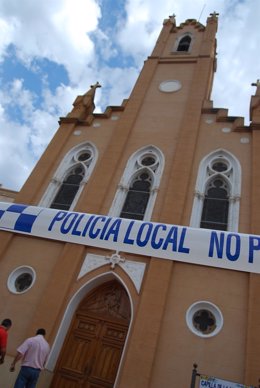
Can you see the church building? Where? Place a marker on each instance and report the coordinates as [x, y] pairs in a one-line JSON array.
[[185, 174]]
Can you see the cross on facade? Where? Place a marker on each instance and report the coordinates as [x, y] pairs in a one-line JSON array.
[[214, 14], [114, 259]]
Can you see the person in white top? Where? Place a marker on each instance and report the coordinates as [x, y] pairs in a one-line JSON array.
[[33, 353]]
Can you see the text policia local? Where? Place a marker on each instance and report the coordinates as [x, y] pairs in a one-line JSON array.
[[156, 236]]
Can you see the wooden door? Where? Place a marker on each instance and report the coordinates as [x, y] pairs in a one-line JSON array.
[[92, 352]]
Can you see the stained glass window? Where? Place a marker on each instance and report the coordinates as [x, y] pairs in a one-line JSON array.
[[215, 206], [137, 197], [204, 321], [23, 282], [68, 189]]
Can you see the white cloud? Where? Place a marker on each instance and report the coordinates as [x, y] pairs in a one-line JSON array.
[[57, 30], [238, 59], [117, 85], [15, 160]]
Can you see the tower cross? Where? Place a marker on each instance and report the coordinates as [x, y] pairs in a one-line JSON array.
[[257, 83], [214, 14]]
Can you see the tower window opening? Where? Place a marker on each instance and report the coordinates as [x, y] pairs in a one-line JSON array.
[[184, 43]]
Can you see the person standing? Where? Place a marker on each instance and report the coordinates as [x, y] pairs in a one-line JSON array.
[[5, 326], [33, 353]]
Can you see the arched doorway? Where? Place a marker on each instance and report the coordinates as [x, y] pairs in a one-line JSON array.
[[93, 347]]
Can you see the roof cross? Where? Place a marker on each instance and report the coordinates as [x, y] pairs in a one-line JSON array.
[[257, 83], [214, 14], [172, 18]]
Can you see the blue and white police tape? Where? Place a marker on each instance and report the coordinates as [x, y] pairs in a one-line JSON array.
[[197, 246]]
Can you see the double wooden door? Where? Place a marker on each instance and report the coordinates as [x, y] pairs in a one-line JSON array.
[[92, 352]]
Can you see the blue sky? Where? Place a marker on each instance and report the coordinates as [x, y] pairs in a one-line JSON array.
[[52, 51]]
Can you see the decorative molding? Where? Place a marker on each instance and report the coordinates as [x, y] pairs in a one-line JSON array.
[[90, 263], [55, 180], [115, 259], [134, 269], [122, 187], [199, 194], [234, 198], [155, 189]]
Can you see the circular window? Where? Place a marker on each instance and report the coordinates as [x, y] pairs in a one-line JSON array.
[[219, 166], [148, 160], [21, 280], [204, 319], [170, 86], [83, 156]]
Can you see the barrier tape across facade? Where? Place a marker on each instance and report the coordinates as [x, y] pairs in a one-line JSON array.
[[213, 248]]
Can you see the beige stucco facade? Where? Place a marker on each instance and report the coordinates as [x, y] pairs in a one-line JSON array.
[[160, 349]]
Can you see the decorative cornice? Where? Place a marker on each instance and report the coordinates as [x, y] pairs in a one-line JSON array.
[[254, 126], [222, 117], [192, 22], [68, 120]]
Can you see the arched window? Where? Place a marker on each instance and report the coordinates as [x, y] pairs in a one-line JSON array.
[[217, 193], [215, 205], [70, 178], [138, 187], [137, 196], [68, 189], [184, 43]]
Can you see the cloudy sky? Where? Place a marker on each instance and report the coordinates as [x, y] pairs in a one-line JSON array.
[[52, 51]]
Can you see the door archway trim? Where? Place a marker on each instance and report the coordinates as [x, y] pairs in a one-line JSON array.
[[70, 311], [134, 269]]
